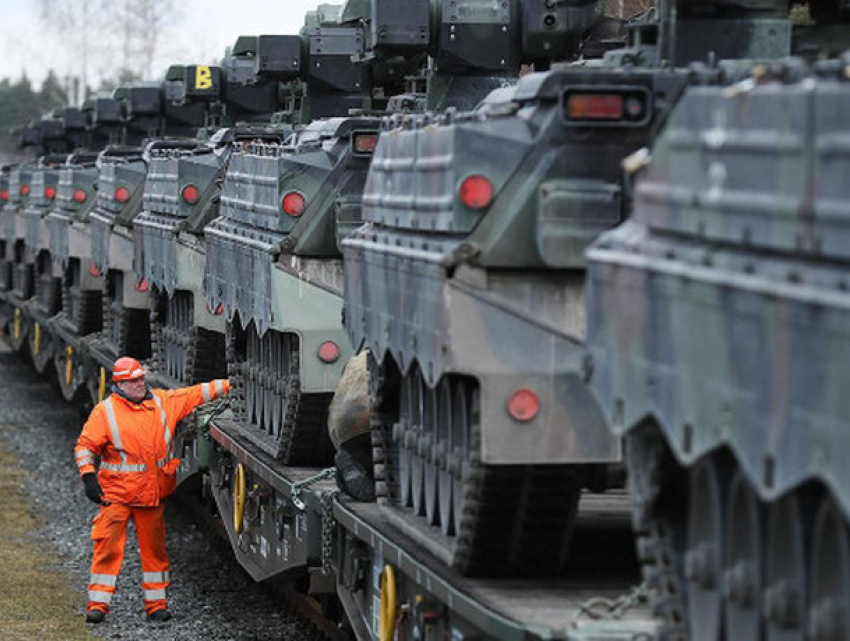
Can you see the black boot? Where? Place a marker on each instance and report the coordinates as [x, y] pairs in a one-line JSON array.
[[95, 616], [159, 616]]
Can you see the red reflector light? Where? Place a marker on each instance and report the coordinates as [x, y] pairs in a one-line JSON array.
[[218, 311], [122, 194], [476, 191], [25, 189], [523, 405], [365, 143], [293, 204], [142, 286], [4, 195], [583, 106], [328, 352], [94, 271], [79, 196], [191, 194], [50, 193]]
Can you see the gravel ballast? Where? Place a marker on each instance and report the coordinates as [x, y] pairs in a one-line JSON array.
[[210, 596]]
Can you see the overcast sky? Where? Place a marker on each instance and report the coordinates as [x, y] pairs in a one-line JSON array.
[[207, 27]]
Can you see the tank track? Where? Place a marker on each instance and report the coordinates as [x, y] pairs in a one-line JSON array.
[[513, 520], [659, 520], [303, 438], [5, 267], [127, 330], [83, 309], [23, 280], [201, 352], [48, 292]]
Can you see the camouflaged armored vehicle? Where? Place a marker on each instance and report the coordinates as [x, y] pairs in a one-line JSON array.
[[718, 318], [147, 114], [466, 283], [182, 193], [23, 223]]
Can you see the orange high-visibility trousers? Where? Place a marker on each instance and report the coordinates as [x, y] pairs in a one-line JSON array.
[[109, 533]]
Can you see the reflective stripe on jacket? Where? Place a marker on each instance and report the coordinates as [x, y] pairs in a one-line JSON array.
[[133, 440]]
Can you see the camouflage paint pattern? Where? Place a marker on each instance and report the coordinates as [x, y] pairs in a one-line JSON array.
[[112, 220], [14, 225], [721, 310], [293, 260], [173, 168], [68, 220], [37, 235], [497, 292]]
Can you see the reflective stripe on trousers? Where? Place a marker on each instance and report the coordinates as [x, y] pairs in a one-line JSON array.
[[109, 533]]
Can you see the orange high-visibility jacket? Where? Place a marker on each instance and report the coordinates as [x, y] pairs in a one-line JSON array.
[[133, 440]]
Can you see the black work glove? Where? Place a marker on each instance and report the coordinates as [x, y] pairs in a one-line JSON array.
[[93, 491]]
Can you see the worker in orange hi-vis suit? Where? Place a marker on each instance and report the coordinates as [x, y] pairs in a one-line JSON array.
[[131, 431]]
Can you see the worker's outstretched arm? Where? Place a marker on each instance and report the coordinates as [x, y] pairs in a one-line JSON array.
[[182, 401]]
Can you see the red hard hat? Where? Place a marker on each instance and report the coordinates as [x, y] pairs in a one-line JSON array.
[[126, 369]]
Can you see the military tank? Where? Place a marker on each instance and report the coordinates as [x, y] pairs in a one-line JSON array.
[[69, 126], [5, 263], [121, 180], [288, 360], [475, 224], [716, 319], [70, 248], [19, 279], [182, 195]]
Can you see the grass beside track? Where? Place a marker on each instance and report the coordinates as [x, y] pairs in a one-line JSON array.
[[36, 598]]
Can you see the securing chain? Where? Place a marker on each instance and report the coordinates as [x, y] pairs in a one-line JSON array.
[[601, 608], [297, 488], [328, 523], [326, 499]]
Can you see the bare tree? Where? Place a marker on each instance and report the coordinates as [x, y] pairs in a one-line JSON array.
[[74, 22], [152, 20], [129, 31]]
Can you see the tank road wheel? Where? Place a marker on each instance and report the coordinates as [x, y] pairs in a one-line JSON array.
[[445, 483], [659, 491], [460, 430], [268, 377], [250, 378], [428, 446], [704, 554], [409, 412], [279, 364], [785, 590], [417, 467], [743, 566], [829, 612]]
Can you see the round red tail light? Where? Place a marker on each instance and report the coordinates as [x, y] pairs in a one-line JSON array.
[[191, 194], [523, 405], [25, 189], [476, 192], [142, 286], [4, 195], [50, 193], [94, 271], [79, 196], [328, 352], [122, 194], [293, 204]]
